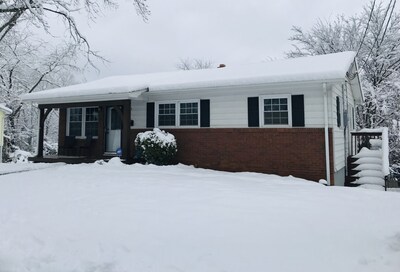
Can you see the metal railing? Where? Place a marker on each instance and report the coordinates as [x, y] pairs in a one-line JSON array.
[[361, 139]]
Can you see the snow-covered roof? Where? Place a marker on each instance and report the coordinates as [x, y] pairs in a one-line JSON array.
[[313, 68], [4, 109]]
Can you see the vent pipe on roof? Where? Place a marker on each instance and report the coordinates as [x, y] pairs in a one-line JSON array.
[[221, 65]]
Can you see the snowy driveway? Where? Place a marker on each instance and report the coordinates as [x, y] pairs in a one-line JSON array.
[[119, 218]]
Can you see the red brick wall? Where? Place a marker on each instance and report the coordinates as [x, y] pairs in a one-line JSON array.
[[283, 151]]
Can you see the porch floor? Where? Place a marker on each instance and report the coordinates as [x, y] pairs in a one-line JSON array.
[[66, 159]]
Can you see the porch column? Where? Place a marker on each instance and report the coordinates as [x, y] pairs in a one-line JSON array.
[[101, 146], [42, 117], [41, 133], [126, 126]]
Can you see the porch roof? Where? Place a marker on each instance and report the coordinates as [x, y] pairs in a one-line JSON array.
[[314, 68]]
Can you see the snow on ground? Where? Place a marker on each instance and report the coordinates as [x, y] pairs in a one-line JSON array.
[[120, 218], [8, 168]]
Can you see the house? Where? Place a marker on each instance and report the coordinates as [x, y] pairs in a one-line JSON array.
[[3, 112], [287, 117]]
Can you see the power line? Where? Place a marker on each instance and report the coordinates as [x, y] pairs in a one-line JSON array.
[[378, 34], [366, 28], [387, 23]]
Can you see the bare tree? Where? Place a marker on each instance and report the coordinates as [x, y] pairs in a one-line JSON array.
[[13, 12], [375, 36], [194, 64], [26, 67]]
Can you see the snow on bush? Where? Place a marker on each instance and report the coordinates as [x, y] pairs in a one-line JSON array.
[[20, 156], [155, 147], [50, 148]]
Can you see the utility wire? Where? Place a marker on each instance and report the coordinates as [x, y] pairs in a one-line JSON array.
[[366, 28], [378, 34], [387, 24]]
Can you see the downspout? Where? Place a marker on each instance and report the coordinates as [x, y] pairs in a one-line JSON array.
[[327, 155], [345, 121]]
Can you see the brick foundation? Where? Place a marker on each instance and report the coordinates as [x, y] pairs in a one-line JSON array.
[[283, 151]]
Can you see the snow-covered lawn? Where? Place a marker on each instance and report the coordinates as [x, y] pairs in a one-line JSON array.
[[120, 218], [8, 168]]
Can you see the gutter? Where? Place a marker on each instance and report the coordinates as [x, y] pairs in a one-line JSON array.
[[135, 94], [327, 155]]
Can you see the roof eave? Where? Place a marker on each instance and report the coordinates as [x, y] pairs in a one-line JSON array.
[[86, 98]]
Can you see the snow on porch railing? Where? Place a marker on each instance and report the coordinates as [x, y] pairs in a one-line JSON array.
[[369, 138]]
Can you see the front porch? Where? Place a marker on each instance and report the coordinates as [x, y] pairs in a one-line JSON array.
[[88, 131]]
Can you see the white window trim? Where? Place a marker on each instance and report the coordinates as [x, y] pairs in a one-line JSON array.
[[261, 109], [83, 128], [177, 112]]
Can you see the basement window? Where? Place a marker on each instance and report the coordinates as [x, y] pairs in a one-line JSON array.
[[83, 122]]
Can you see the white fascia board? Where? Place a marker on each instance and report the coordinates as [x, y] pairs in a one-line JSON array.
[[235, 89], [89, 98]]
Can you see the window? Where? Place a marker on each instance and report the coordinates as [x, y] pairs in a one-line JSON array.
[[75, 122], [83, 122], [189, 114], [184, 114], [166, 114], [91, 122], [275, 110]]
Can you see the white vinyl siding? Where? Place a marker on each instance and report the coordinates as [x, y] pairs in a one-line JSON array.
[[338, 132], [138, 114], [228, 106]]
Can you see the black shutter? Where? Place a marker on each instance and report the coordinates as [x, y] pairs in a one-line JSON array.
[[298, 110], [150, 115], [338, 112], [253, 113], [205, 113]]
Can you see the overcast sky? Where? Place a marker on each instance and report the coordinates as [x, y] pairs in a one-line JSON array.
[[224, 31]]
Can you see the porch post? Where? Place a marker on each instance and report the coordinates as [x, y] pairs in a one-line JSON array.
[[42, 117], [41, 133], [101, 146], [126, 120]]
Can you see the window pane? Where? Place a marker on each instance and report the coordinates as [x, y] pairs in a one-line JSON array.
[[116, 122], [91, 129], [91, 122], [166, 114], [268, 121], [189, 114], [75, 122], [92, 114], [166, 120], [75, 129]]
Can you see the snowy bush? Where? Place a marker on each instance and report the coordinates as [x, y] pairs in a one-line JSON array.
[[155, 147], [50, 148], [20, 156]]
